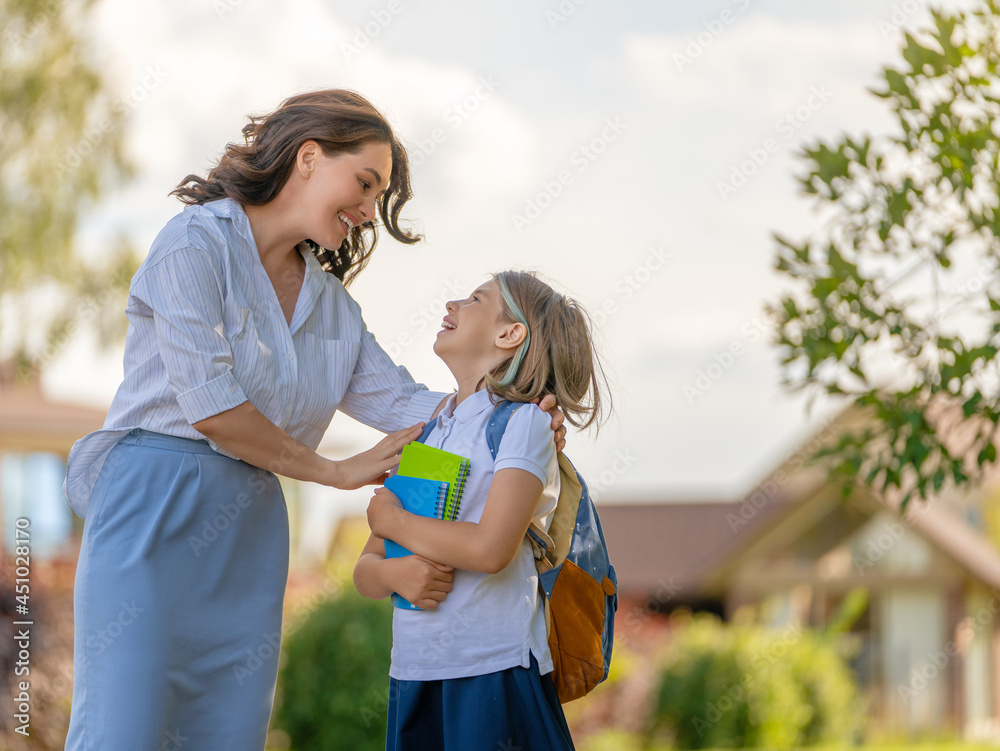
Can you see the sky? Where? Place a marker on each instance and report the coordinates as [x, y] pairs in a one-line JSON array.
[[638, 155]]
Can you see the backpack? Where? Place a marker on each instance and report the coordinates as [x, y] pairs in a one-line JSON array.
[[577, 581]]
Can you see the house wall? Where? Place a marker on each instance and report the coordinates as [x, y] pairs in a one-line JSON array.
[[976, 636], [913, 661]]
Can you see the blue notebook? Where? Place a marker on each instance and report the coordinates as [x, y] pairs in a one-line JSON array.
[[421, 497]]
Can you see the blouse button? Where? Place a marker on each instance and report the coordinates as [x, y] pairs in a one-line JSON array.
[[289, 356]]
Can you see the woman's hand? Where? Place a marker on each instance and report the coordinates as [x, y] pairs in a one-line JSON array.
[[548, 404], [383, 510], [424, 583], [372, 466]]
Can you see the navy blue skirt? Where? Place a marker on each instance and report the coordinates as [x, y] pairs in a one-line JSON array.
[[511, 709]]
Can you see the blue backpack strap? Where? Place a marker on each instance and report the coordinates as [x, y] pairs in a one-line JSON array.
[[427, 430], [497, 424], [495, 428]]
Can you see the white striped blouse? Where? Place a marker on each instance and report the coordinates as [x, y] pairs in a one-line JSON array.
[[207, 333]]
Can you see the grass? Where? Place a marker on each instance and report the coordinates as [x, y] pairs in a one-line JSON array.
[[618, 740]]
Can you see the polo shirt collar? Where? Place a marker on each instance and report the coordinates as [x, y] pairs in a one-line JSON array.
[[472, 406]]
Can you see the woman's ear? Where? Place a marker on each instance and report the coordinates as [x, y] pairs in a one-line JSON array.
[[511, 336], [306, 159]]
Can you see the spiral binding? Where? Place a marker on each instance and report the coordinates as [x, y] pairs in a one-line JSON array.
[[442, 500], [455, 497]]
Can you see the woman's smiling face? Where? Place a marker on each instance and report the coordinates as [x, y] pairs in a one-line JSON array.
[[341, 190]]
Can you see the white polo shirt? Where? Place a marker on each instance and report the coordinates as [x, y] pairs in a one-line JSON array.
[[488, 622]]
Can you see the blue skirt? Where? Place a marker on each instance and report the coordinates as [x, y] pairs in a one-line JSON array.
[[178, 598], [511, 709]]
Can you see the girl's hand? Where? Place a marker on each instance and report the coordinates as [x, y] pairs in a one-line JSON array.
[[383, 508], [372, 466], [548, 404], [424, 583]]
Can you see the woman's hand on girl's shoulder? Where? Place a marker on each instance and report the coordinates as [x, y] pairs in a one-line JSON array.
[[373, 465], [548, 404]]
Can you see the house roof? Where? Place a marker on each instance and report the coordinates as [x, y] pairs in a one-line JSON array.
[[31, 422], [687, 546], [672, 547], [951, 534]]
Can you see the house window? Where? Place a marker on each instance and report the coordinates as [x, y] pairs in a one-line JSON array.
[[31, 487]]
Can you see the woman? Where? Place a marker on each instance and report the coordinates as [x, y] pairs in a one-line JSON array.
[[242, 344]]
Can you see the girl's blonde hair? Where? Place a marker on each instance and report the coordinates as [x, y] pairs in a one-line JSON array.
[[556, 356]]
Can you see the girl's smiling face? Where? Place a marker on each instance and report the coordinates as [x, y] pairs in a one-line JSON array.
[[474, 336]]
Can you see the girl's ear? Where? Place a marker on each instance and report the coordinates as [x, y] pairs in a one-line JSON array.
[[511, 336]]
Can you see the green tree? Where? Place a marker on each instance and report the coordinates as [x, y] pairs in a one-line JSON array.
[[61, 149], [877, 286]]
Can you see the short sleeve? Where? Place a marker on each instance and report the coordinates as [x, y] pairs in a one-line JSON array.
[[528, 444], [183, 291]]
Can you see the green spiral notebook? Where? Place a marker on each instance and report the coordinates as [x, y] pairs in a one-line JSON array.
[[421, 460]]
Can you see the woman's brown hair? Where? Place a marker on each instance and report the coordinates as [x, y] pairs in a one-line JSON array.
[[559, 358], [340, 121]]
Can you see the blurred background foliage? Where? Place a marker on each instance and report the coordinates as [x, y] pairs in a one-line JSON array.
[[744, 685], [334, 683], [62, 148], [902, 209]]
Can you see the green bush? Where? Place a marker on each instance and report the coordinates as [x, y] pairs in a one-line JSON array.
[[334, 683], [745, 686]]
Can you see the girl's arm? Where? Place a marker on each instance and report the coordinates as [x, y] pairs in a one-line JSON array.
[[486, 546], [422, 582]]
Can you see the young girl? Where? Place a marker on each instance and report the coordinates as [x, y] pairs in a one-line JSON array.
[[471, 671]]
